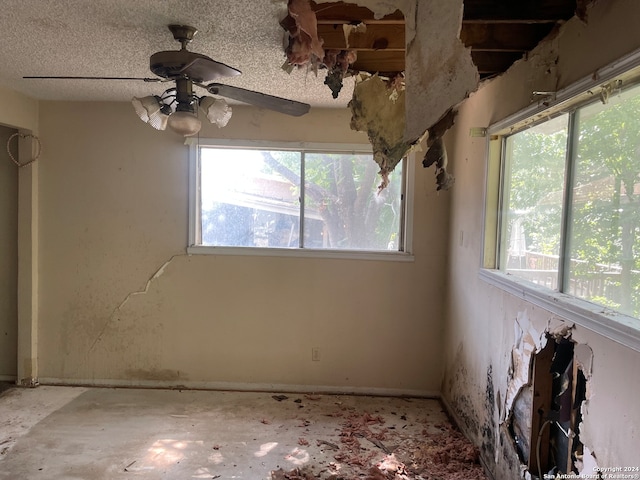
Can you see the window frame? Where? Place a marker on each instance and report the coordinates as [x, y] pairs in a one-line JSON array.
[[406, 220], [609, 323]]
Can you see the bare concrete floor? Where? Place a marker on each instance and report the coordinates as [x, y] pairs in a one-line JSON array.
[[101, 433]]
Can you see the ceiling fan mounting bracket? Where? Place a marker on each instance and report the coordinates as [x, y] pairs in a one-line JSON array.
[[183, 34]]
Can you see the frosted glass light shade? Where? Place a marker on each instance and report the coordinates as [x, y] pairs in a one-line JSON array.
[[184, 123], [158, 121], [217, 110], [149, 109]]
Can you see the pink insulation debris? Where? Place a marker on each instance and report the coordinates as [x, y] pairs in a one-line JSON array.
[[304, 41]]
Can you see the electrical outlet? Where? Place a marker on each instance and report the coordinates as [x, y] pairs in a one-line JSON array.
[[315, 354]]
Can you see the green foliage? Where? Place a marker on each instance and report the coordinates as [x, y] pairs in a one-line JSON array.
[[604, 226]]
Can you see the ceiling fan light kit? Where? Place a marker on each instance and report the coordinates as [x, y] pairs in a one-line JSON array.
[[217, 110], [149, 109], [184, 123], [184, 120], [177, 107]]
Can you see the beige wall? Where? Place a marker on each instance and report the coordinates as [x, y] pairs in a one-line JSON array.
[[21, 112], [8, 257], [113, 211], [18, 110], [480, 318]]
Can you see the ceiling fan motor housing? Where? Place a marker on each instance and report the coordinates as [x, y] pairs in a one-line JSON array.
[[171, 64]]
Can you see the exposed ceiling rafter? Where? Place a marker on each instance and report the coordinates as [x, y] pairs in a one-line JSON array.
[[499, 32]]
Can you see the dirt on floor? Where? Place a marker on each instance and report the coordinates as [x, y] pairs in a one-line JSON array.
[[372, 448]]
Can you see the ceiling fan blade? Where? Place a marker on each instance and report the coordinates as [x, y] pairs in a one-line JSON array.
[[206, 70], [98, 78], [282, 105]]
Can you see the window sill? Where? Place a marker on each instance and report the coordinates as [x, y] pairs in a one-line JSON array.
[[302, 252], [612, 325]]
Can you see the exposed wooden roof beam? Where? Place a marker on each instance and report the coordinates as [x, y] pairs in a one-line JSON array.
[[376, 37], [380, 61]]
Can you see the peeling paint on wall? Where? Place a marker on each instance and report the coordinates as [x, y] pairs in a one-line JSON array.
[[583, 356], [587, 464], [569, 390], [528, 341], [558, 329]]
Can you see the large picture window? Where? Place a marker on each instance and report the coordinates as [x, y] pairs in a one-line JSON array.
[[285, 198], [570, 203]]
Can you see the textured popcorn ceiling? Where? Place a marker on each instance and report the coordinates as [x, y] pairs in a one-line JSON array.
[[116, 38]]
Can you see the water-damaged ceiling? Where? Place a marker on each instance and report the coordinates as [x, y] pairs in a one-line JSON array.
[[116, 38], [498, 32]]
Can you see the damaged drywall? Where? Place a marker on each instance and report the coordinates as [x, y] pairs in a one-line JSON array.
[[304, 48], [304, 43], [439, 74], [439, 70], [528, 341], [569, 371], [437, 152], [377, 107]]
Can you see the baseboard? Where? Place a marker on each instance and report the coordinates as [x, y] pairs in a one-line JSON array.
[[453, 415], [458, 423], [240, 387], [8, 378]]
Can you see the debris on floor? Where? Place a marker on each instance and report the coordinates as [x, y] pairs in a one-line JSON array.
[[374, 448], [295, 474], [249, 435]]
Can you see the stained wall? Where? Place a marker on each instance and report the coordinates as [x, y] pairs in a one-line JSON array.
[[480, 318], [122, 303], [8, 257]]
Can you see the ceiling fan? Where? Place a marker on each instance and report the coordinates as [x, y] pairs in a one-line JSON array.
[[177, 107]]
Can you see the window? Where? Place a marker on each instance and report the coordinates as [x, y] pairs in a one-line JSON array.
[[568, 202], [281, 197]]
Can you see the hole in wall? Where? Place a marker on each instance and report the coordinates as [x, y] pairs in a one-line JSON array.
[[546, 413]]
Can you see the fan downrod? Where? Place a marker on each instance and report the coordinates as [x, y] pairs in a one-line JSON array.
[[183, 34]]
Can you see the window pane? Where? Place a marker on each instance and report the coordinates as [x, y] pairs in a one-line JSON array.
[[250, 198], [604, 240], [343, 208], [533, 194]]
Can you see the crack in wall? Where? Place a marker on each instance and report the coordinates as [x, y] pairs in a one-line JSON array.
[[157, 274]]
